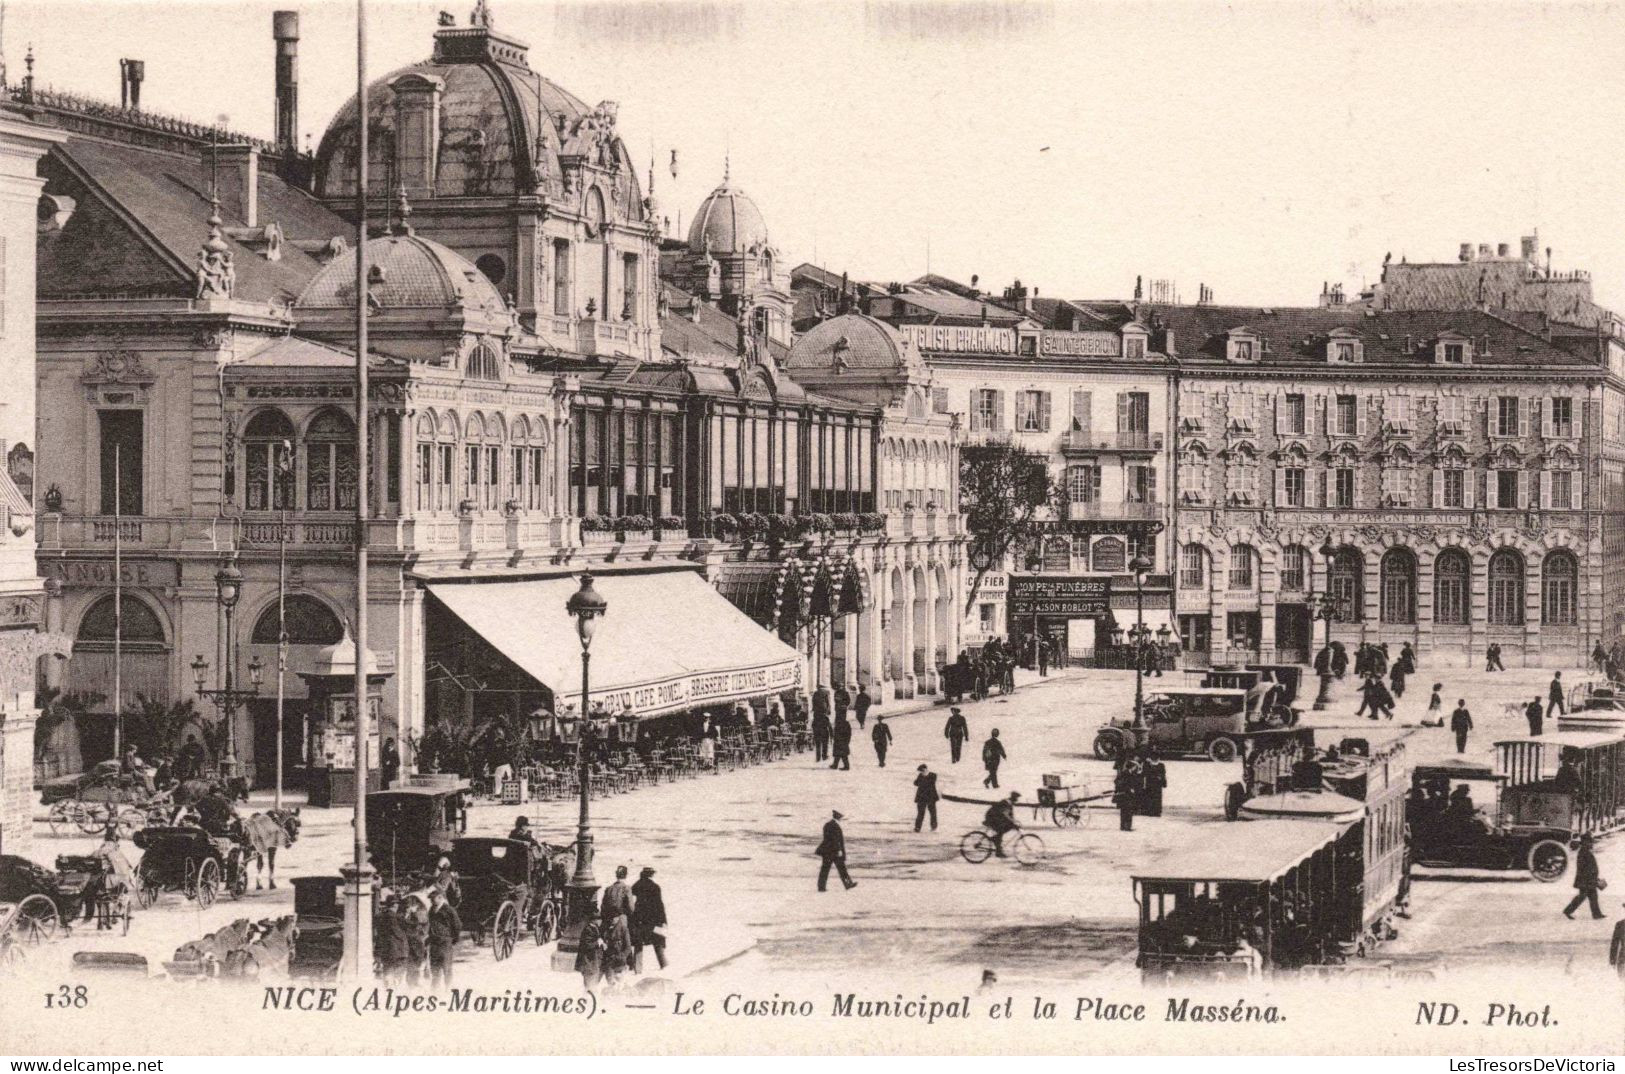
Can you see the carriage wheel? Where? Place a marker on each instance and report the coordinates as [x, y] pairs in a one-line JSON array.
[[36, 920], [93, 817], [123, 909], [975, 847], [1548, 860], [64, 815], [1107, 747], [504, 931], [130, 821], [207, 884], [1069, 815], [146, 887], [547, 921]]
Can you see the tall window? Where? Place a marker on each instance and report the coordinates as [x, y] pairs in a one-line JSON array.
[[985, 407], [1241, 566], [1506, 415], [1192, 566], [1193, 475], [1559, 578], [445, 476], [629, 290], [561, 278], [1346, 583], [1294, 481], [1560, 486], [1453, 488], [1032, 412], [330, 466], [1082, 411], [1452, 413], [1506, 588], [1561, 408], [1293, 415], [1295, 568], [1397, 483], [267, 445], [425, 483], [1506, 488], [483, 363], [1346, 416], [1451, 572], [1134, 412], [1141, 483], [1083, 484], [1398, 586], [1343, 486], [121, 468]]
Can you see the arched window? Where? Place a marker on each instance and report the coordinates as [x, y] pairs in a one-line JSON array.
[[330, 468], [1559, 579], [1192, 567], [1346, 583], [1398, 586], [309, 622], [1295, 568], [268, 462], [1242, 575], [1506, 588], [139, 625], [1451, 572], [484, 363]]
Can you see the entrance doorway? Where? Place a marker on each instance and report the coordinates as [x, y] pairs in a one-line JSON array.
[[263, 713], [1294, 633], [1244, 630]]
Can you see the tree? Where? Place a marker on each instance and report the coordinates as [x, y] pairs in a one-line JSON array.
[[55, 709], [158, 727], [1003, 489]]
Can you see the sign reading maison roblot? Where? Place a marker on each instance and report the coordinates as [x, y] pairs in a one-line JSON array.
[[1075, 598]]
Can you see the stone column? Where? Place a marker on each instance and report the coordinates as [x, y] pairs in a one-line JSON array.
[[17, 779]]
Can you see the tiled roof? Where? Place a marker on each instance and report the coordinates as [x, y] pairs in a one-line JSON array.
[[958, 307], [727, 221], [1391, 338], [290, 352], [165, 194]]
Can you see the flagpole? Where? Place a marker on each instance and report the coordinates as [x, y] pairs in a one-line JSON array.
[[358, 887], [284, 473]]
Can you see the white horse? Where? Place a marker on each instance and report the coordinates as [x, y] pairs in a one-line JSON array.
[[267, 831]]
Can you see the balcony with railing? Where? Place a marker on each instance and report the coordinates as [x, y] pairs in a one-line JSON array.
[[1098, 510], [428, 533], [1084, 442]]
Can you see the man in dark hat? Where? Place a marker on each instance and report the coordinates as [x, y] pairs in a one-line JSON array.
[[861, 705], [882, 739], [1000, 820], [820, 734], [648, 919], [841, 741], [956, 731], [1587, 880], [1536, 717], [925, 796], [521, 832], [833, 852], [993, 755], [1556, 703]]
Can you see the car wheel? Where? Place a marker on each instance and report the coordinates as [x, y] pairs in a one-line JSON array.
[[1548, 860], [1108, 746], [1222, 750], [1234, 796]]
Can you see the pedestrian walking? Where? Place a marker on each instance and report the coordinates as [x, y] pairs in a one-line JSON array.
[[1616, 949], [1126, 788], [843, 702], [993, 755], [956, 731], [1407, 656], [1435, 714], [833, 852], [1587, 880], [1554, 694], [1599, 657], [389, 763], [1368, 699], [1461, 722], [1340, 659], [925, 796], [1396, 679], [590, 955], [617, 949], [820, 734], [617, 898], [881, 736], [821, 701], [1533, 714], [444, 925], [1155, 774], [1384, 699], [861, 705], [1043, 658], [841, 746], [1492, 658], [648, 919]]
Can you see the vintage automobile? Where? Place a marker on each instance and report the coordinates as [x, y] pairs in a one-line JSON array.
[[409, 828], [1247, 899], [1181, 721], [1594, 705], [1452, 828]]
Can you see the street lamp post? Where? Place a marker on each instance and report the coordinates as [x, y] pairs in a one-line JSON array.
[[587, 605], [1141, 566], [1326, 612], [228, 699]]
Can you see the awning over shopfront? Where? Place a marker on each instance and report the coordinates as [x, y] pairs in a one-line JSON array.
[[667, 642], [1154, 619]]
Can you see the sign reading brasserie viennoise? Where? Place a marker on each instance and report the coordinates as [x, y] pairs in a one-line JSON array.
[[1079, 344], [652, 699], [99, 572], [1076, 598], [969, 339]]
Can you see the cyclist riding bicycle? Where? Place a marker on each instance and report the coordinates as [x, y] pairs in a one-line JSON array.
[[1000, 819]]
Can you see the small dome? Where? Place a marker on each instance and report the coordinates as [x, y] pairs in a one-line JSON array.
[[728, 221], [850, 341], [409, 272]]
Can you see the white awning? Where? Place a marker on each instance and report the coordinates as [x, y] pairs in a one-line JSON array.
[[667, 642]]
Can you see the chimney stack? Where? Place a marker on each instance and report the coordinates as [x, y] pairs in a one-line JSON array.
[[1503, 250], [237, 175], [1484, 249], [1531, 248], [285, 28], [131, 74], [1466, 252]]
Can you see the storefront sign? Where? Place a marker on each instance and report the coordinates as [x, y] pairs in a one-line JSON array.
[[995, 582], [701, 689], [96, 573], [1079, 344], [964, 339], [1074, 598]]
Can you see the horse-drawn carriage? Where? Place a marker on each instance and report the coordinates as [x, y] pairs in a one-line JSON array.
[[409, 829], [89, 887], [191, 861], [509, 887], [106, 794]]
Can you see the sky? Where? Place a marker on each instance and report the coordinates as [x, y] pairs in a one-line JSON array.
[[1261, 149]]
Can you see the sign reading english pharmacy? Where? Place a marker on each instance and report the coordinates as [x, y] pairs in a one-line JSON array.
[[967, 339], [1075, 598], [653, 699]]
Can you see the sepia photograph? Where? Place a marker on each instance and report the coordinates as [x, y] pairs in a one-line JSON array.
[[845, 528]]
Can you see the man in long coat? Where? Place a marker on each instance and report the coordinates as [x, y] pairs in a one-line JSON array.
[[925, 797], [956, 731], [833, 852], [841, 739], [648, 919]]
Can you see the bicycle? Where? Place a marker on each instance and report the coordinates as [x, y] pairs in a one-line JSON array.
[[978, 845]]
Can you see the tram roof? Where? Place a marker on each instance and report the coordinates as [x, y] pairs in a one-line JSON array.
[[1254, 851], [1579, 740]]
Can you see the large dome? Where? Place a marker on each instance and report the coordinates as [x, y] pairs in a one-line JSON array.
[[850, 341], [728, 222], [408, 272]]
